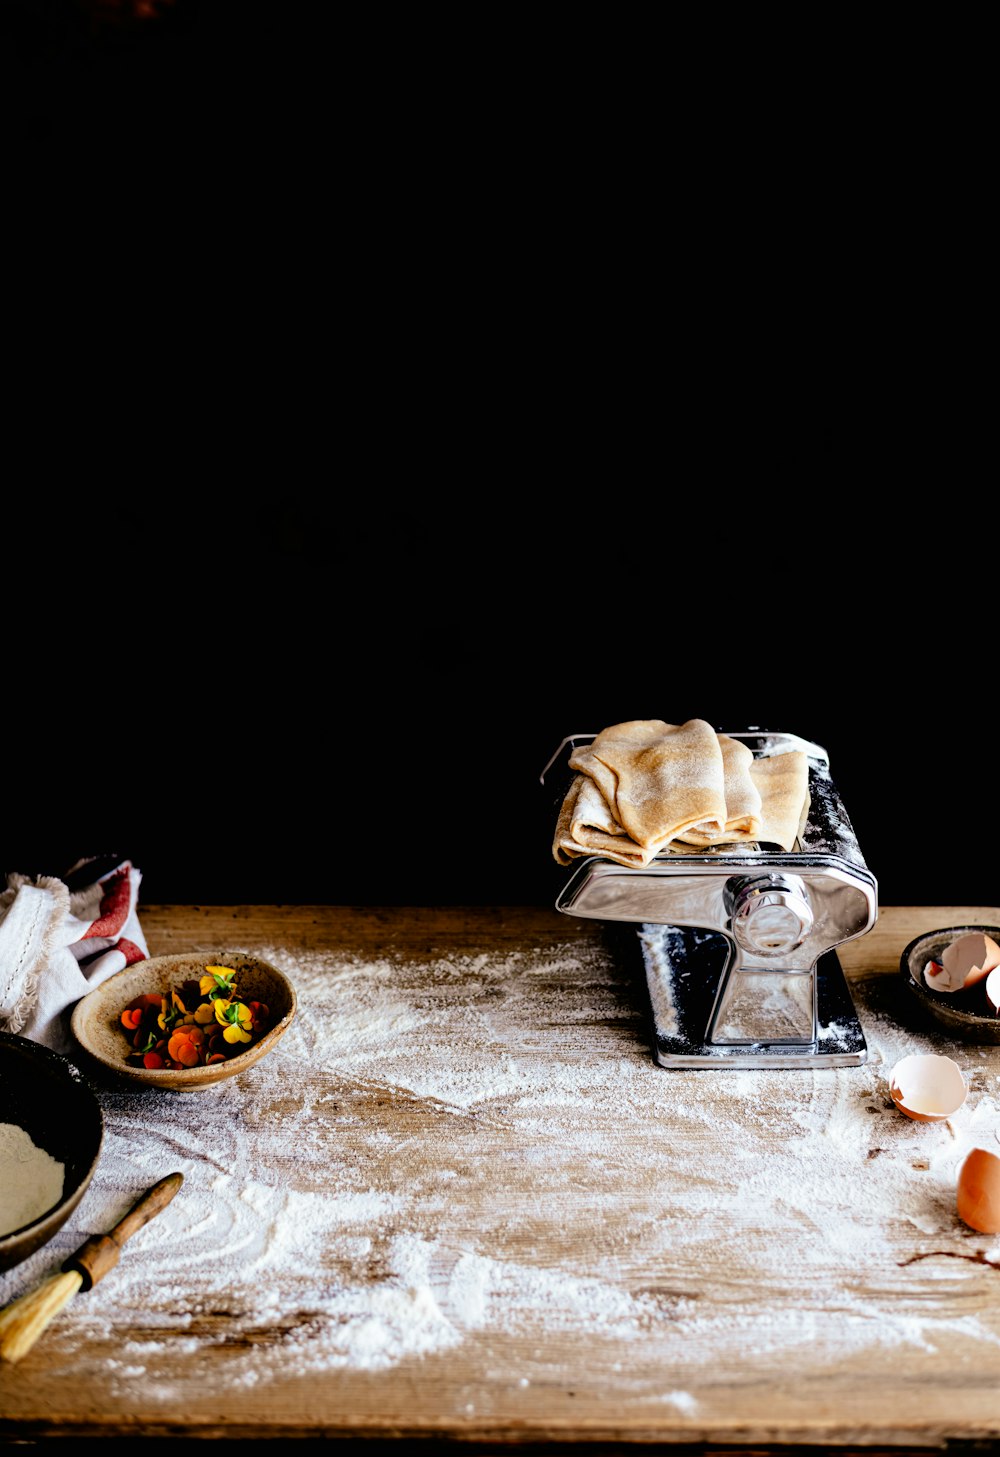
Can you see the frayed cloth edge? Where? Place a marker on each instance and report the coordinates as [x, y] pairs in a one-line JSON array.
[[20, 1015]]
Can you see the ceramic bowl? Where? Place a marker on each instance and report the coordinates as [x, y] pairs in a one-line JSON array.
[[97, 1027], [46, 1095], [965, 1014]]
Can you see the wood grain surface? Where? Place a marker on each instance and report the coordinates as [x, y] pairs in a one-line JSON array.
[[876, 1334]]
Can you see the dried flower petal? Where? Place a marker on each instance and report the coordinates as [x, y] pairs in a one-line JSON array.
[[185, 1045], [217, 982], [198, 1022], [260, 1014]]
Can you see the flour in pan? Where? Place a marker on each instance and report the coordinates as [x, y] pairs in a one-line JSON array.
[[31, 1180]]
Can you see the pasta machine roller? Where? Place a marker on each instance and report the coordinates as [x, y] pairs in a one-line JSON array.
[[738, 942]]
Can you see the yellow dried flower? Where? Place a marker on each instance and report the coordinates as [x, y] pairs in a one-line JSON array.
[[236, 1020]]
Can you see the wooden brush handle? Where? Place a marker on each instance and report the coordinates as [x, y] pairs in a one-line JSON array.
[[100, 1253]]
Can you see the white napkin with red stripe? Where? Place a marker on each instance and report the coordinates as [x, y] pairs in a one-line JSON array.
[[56, 945]]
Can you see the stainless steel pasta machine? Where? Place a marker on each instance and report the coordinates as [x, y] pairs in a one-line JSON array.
[[738, 941]]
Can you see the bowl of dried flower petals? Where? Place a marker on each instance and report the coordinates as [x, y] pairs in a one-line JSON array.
[[185, 1021]]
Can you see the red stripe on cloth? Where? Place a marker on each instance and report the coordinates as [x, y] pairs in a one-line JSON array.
[[114, 905], [130, 951]]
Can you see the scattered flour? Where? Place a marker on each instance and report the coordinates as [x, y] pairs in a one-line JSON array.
[[31, 1180], [682, 1400], [481, 1147]]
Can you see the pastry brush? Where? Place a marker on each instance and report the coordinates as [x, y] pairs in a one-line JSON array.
[[26, 1318]]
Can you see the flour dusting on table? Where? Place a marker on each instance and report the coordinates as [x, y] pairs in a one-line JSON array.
[[412, 1165]]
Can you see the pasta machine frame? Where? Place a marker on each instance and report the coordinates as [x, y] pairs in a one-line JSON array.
[[738, 942]]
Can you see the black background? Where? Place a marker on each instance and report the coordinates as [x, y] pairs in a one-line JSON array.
[[356, 706], [380, 420]]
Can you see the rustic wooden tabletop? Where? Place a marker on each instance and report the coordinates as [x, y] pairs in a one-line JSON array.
[[459, 1200]]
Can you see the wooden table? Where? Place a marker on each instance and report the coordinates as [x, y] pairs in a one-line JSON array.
[[466, 1115]]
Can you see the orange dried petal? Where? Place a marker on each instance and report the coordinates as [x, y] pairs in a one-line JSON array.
[[186, 1043]]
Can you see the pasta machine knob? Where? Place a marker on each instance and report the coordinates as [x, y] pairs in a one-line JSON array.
[[770, 914]]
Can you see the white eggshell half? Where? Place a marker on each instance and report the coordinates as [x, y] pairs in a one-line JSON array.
[[993, 989], [967, 960], [937, 978], [927, 1087]]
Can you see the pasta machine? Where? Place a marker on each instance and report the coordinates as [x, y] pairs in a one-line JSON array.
[[738, 941]]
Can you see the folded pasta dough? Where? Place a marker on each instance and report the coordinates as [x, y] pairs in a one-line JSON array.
[[743, 802], [586, 826], [783, 782], [658, 779]]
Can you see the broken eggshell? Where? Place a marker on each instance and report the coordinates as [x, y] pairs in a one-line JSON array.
[[927, 1087], [978, 1191], [965, 961], [993, 990]]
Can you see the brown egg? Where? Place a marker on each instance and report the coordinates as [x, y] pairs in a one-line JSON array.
[[967, 960], [978, 1191], [927, 1087]]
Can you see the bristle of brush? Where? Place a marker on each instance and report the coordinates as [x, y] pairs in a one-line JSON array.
[[25, 1319]]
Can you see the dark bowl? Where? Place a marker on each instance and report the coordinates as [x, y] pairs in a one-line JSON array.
[[46, 1095], [965, 1014]]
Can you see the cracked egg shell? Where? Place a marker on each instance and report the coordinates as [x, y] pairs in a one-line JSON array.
[[977, 1192], [965, 961], [927, 1087]]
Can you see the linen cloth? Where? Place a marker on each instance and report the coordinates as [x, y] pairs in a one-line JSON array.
[[56, 945]]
